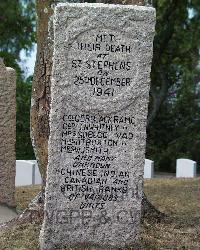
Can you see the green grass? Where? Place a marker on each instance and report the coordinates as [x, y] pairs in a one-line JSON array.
[[179, 198]]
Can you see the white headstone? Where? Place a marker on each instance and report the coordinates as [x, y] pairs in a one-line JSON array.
[[148, 169], [27, 173], [37, 175], [100, 90], [185, 168], [24, 173]]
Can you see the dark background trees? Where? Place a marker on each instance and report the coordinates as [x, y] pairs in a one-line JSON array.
[[24, 148], [173, 122], [17, 32], [17, 26]]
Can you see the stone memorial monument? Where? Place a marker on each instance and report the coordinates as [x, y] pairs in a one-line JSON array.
[[100, 90], [7, 134]]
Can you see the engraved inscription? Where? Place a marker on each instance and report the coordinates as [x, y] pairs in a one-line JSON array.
[[93, 174], [101, 64]]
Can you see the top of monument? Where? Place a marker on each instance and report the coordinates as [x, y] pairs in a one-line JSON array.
[[133, 27], [97, 5]]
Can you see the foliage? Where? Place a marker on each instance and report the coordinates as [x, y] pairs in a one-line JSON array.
[[174, 123], [17, 19], [17, 22], [23, 142]]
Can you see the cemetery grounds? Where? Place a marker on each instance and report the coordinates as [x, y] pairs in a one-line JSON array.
[[178, 198]]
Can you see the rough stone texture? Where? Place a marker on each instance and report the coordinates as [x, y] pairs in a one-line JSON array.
[[7, 134], [97, 125], [41, 96]]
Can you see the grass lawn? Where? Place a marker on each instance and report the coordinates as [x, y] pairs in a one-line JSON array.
[[179, 198]]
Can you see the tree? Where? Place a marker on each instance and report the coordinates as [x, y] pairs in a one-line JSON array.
[[41, 86], [20, 15], [24, 148], [173, 115]]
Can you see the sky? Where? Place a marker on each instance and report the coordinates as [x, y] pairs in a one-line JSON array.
[[28, 62]]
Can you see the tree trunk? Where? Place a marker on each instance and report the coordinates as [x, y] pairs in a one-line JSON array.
[[41, 87]]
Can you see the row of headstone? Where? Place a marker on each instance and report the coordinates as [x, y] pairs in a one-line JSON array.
[[7, 134], [185, 168], [27, 173]]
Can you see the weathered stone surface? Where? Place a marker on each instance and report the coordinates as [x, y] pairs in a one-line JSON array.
[[101, 68], [7, 134]]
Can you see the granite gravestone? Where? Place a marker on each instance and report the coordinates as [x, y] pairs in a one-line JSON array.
[[100, 87], [7, 134]]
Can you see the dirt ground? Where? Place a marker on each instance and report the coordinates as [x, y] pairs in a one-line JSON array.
[[178, 198]]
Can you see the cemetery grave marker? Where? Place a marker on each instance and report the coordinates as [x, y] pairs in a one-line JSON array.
[[148, 169], [100, 88], [186, 168], [7, 134], [27, 173]]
